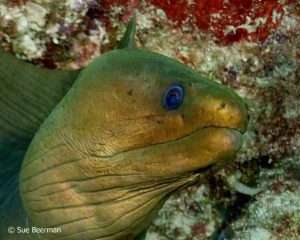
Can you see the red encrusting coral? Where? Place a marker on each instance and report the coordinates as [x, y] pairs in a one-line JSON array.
[[228, 20]]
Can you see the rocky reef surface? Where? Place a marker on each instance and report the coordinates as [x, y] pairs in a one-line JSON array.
[[253, 47]]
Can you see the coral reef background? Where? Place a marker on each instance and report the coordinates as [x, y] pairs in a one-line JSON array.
[[252, 46]]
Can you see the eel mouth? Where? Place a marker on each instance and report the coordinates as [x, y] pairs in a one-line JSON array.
[[230, 136], [207, 146], [210, 148], [210, 138]]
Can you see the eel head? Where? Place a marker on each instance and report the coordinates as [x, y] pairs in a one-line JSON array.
[[135, 127]]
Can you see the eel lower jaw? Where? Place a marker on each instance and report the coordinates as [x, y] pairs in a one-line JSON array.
[[234, 143]]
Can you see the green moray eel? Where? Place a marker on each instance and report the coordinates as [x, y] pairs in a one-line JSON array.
[[124, 133]]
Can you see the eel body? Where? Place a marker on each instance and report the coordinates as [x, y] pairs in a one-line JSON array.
[[25, 103], [133, 128]]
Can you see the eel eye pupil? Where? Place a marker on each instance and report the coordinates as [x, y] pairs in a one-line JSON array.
[[173, 97]]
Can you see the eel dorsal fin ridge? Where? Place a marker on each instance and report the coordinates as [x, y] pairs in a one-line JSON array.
[[129, 35]]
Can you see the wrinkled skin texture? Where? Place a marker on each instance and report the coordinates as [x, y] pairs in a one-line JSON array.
[[109, 155]]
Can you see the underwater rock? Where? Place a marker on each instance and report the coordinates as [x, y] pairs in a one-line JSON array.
[[275, 214]]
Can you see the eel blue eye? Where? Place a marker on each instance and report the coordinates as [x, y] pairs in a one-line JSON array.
[[173, 97]]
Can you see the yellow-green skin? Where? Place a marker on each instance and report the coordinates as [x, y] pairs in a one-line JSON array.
[[109, 155]]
